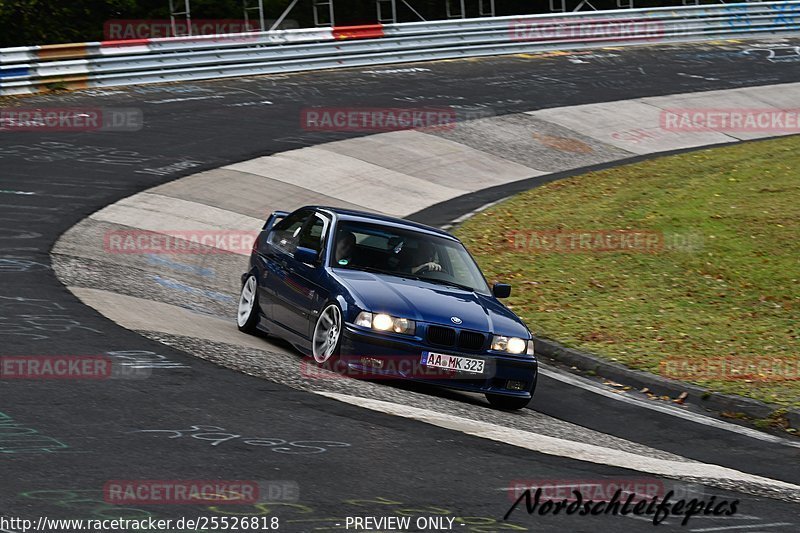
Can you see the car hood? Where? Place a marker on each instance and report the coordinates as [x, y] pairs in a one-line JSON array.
[[430, 302]]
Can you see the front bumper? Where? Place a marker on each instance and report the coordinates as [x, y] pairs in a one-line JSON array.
[[375, 355]]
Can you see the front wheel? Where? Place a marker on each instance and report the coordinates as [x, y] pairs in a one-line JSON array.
[[247, 313], [327, 334]]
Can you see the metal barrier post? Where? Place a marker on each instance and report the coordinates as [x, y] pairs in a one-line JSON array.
[[460, 15], [246, 7], [391, 19], [173, 13], [482, 12], [320, 4]]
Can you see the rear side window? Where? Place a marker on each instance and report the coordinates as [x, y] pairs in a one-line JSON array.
[[286, 234]]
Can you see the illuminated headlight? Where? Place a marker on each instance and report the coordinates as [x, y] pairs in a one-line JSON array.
[[513, 345], [384, 322]]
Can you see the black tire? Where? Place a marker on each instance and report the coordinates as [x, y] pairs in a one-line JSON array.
[[512, 403], [507, 403], [250, 324]]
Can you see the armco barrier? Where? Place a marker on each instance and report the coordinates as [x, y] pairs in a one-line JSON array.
[[25, 70]]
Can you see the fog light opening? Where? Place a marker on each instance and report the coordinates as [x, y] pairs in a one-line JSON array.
[[515, 385]]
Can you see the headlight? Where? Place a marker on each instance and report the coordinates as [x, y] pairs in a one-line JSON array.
[[384, 322], [513, 345]]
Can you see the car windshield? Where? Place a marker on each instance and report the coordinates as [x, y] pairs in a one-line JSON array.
[[406, 253]]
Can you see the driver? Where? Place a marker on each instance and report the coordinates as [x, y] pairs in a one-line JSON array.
[[345, 246], [426, 258]]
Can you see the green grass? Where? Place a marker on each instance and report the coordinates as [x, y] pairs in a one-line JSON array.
[[734, 291]]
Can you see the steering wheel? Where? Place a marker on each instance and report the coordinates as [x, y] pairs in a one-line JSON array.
[[429, 267]]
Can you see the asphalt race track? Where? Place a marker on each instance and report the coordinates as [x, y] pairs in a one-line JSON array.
[[318, 460]]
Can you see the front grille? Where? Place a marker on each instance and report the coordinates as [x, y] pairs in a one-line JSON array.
[[471, 340], [441, 336], [467, 340]]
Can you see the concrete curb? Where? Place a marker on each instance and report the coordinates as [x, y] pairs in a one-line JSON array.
[[660, 386]]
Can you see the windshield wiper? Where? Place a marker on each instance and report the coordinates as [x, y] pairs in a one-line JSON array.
[[446, 282], [370, 269]]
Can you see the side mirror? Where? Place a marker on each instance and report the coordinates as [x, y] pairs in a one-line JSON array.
[[306, 255], [501, 290]]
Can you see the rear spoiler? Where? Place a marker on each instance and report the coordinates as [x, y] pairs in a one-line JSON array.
[[273, 218]]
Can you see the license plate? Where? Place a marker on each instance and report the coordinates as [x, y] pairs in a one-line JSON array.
[[453, 362]]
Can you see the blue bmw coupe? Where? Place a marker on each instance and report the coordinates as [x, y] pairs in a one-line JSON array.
[[389, 297]]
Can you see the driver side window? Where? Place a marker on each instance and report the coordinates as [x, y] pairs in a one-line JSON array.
[[286, 234]]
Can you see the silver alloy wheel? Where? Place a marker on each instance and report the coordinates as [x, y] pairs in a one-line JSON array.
[[326, 333], [246, 301]]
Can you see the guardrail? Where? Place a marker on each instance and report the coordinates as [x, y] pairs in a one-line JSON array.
[[32, 69]]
